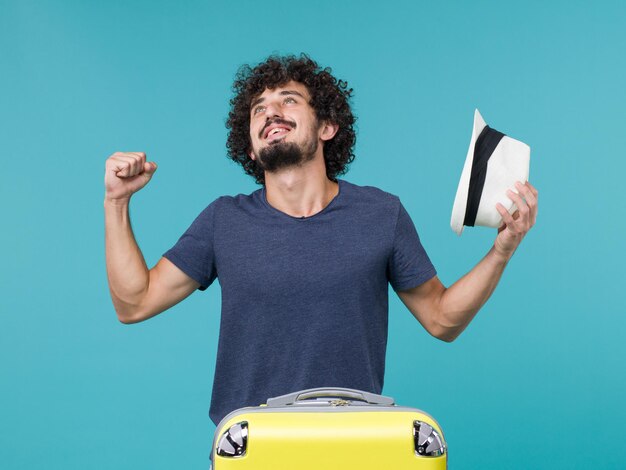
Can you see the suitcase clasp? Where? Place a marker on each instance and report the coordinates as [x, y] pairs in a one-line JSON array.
[[339, 402]]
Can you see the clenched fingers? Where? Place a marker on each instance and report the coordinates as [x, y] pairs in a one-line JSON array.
[[127, 164]]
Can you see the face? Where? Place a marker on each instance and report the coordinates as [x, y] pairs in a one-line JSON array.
[[284, 130]]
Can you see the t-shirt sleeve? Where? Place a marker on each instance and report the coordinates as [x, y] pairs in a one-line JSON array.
[[193, 253], [409, 265]]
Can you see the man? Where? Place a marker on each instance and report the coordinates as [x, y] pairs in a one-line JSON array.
[[304, 262]]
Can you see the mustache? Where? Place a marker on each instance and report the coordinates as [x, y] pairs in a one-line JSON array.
[[284, 122]]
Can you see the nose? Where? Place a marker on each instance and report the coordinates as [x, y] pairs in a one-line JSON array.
[[272, 109]]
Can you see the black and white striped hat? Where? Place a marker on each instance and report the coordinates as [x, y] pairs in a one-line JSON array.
[[493, 164]]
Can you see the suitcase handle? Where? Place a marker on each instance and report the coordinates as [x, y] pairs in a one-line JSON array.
[[291, 398]]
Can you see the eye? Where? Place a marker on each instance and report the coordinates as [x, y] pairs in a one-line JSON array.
[[258, 109], [289, 100]]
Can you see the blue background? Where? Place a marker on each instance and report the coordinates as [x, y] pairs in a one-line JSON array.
[[536, 381]]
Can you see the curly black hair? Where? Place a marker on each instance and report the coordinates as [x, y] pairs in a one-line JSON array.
[[329, 98]]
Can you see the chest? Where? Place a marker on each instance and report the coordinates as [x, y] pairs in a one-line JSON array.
[[257, 256]]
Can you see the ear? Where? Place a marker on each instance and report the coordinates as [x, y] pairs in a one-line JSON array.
[[251, 155], [328, 130]]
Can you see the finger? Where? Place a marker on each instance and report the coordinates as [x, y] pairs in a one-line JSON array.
[[149, 168], [526, 217], [506, 217], [526, 194], [519, 202], [139, 154], [535, 208], [533, 189], [141, 158], [124, 166], [531, 201], [115, 163], [134, 162]]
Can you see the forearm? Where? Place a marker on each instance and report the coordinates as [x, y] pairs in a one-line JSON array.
[[126, 268], [446, 312], [461, 301]]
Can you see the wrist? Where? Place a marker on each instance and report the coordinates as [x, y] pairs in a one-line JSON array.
[[499, 256], [117, 202]]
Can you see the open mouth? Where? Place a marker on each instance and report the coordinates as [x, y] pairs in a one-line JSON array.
[[276, 132]]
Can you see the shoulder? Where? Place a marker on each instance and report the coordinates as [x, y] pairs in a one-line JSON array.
[[223, 211], [227, 202], [370, 196], [229, 206]]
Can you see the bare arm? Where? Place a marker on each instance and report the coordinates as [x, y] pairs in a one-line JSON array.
[[137, 292], [446, 312]]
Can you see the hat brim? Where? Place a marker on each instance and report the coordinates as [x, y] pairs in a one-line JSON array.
[[460, 201]]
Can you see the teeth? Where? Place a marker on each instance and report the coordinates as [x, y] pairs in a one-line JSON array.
[[276, 131]]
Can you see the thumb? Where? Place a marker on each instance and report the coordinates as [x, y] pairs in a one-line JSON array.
[[149, 168]]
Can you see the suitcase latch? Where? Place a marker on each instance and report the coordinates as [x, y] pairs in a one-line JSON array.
[[339, 402]]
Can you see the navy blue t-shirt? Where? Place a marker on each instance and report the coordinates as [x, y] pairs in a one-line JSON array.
[[304, 300]]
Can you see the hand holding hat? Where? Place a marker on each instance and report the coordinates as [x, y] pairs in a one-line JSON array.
[[494, 189], [515, 226]]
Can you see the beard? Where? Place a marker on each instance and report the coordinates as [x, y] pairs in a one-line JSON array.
[[281, 155]]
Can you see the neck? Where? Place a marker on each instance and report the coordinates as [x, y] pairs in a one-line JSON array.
[[300, 191]]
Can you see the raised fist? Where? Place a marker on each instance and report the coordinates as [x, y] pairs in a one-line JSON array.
[[126, 173]]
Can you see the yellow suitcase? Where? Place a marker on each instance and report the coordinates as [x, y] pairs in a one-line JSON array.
[[330, 429]]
